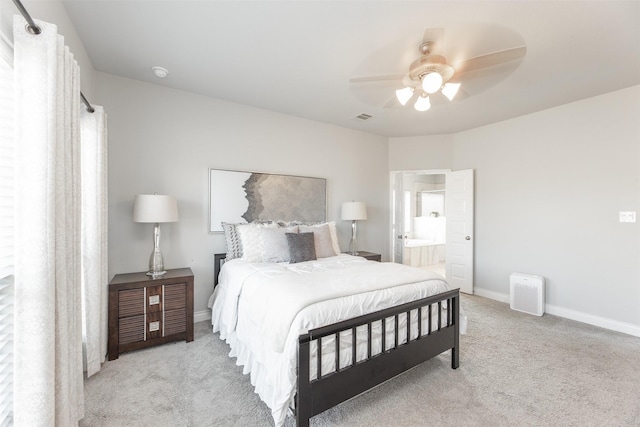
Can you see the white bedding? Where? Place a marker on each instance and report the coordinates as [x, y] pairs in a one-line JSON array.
[[260, 309]]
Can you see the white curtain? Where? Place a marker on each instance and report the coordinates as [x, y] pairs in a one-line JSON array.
[[48, 325], [94, 237]]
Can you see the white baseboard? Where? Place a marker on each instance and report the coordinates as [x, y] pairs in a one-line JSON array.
[[491, 295], [602, 322], [201, 316]]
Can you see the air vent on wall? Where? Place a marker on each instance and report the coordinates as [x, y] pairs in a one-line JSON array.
[[363, 116]]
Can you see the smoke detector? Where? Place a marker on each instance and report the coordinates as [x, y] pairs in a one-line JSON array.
[[160, 72]]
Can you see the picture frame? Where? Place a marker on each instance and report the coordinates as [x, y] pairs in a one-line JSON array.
[[242, 197]]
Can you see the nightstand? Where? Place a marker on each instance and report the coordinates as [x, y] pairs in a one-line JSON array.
[[371, 256], [144, 311]]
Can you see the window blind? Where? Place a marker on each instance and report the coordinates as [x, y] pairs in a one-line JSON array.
[[7, 191]]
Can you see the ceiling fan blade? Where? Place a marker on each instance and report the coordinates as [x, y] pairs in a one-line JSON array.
[[376, 79], [489, 60], [391, 103], [435, 35]]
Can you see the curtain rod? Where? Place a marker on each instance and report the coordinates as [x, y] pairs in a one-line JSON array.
[[33, 28]]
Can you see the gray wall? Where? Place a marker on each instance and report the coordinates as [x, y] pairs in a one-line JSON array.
[[421, 152], [163, 140], [548, 190]]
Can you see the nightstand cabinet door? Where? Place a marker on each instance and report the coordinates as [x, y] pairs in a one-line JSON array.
[[131, 313], [175, 300], [146, 311]]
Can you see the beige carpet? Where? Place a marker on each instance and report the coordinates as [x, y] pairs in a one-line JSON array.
[[515, 370]]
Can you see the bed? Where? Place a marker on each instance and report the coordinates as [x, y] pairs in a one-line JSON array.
[[315, 333]]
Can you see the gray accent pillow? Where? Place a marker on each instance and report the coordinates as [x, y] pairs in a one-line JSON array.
[[232, 239], [275, 245], [301, 247]]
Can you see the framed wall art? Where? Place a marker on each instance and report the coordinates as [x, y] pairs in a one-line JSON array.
[[237, 197]]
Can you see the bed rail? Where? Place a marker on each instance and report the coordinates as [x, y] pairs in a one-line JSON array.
[[325, 390]]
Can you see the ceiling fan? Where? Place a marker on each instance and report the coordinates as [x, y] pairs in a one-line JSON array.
[[431, 77]]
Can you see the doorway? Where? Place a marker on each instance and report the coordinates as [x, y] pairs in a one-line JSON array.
[[432, 223], [419, 219]]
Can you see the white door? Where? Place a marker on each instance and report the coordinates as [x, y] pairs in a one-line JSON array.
[[459, 214], [397, 216]]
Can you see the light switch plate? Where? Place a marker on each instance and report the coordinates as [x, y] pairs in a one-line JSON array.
[[628, 216]]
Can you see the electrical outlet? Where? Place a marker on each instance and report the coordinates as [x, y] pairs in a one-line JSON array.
[[628, 216]]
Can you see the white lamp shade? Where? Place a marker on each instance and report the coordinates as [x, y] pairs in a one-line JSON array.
[[422, 104], [404, 95], [155, 208], [450, 89], [354, 211]]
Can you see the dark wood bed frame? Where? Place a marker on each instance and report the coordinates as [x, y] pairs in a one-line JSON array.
[[329, 389]]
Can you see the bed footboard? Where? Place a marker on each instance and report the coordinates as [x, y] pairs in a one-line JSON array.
[[407, 349]]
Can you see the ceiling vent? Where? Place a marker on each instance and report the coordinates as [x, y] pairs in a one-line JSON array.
[[363, 116]]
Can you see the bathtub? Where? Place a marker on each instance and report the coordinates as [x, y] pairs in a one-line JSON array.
[[421, 252]]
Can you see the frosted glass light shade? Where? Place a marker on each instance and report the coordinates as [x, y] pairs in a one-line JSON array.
[[432, 82], [404, 95], [422, 104], [354, 211], [155, 208], [450, 89]]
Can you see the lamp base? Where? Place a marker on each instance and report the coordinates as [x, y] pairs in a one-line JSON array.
[[156, 273], [156, 261], [353, 244]]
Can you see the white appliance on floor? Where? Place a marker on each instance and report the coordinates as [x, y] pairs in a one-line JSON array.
[[527, 293]]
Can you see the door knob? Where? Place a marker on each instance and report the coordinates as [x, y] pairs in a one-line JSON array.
[[467, 238]]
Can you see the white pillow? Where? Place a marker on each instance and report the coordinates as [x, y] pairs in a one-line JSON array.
[[251, 239], [322, 238], [274, 242], [334, 237]]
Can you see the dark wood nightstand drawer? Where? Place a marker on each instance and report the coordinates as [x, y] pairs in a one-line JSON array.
[[131, 329], [175, 296], [130, 302]]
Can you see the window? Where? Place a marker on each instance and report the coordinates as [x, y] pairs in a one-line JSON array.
[[6, 232]]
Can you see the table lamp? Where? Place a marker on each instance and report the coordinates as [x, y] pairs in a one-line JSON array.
[[155, 208], [354, 211]]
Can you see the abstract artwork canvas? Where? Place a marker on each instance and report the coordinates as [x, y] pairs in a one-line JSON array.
[[237, 197]]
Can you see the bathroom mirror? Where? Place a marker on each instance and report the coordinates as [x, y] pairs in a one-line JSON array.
[[430, 203]]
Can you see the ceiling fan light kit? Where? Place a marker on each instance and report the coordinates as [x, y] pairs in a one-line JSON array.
[[429, 74]]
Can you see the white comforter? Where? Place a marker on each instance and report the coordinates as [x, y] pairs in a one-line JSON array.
[[260, 309]]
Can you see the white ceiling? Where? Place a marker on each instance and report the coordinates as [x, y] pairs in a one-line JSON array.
[[297, 57]]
